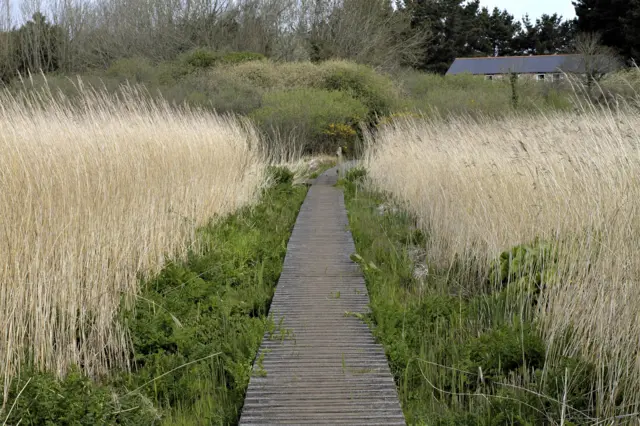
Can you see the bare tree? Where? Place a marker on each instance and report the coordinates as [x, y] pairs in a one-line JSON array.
[[366, 31], [596, 60], [94, 33]]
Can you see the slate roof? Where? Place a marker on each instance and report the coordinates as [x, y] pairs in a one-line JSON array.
[[518, 64]]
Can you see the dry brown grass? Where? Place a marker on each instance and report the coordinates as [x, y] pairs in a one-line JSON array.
[[571, 179], [93, 198]]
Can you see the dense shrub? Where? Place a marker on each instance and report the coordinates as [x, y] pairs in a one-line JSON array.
[[273, 75], [374, 90], [200, 58], [134, 70], [307, 114], [205, 58], [223, 94], [523, 261], [505, 349]]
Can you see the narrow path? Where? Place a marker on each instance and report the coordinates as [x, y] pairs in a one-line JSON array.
[[321, 366]]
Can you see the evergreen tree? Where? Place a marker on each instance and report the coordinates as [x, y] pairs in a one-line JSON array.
[[617, 22], [549, 35], [498, 32]]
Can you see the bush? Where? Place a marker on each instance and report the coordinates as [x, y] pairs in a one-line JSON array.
[[170, 73], [357, 174], [142, 70], [374, 90], [523, 261], [200, 58], [222, 93], [134, 70], [205, 58], [307, 114], [240, 57], [506, 349]]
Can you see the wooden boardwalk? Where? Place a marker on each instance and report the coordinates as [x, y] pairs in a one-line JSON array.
[[321, 366]]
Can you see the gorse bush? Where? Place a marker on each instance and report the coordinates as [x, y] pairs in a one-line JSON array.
[[374, 90], [200, 58], [224, 94], [308, 114]]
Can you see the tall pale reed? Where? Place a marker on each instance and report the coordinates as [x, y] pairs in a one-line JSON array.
[[479, 188], [94, 196]]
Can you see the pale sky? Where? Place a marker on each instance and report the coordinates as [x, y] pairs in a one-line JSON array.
[[535, 8]]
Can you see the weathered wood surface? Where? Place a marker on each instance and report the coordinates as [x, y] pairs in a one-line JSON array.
[[322, 365]]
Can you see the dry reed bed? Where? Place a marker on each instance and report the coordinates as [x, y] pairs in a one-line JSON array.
[[574, 180], [93, 198]]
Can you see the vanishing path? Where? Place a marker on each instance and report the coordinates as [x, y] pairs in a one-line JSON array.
[[321, 366]]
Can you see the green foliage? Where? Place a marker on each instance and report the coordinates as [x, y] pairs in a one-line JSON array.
[[374, 90], [206, 58], [355, 175], [470, 95], [224, 94], [307, 114], [134, 70], [528, 266], [75, 400], [504, 350], [200, 58]]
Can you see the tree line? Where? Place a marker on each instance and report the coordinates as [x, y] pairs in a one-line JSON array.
[[73, 35]]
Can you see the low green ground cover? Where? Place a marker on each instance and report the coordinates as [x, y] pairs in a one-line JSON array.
[[196, 329], [460, 359]]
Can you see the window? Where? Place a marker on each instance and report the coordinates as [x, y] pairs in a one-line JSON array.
[[488, 77], [540, 77]]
